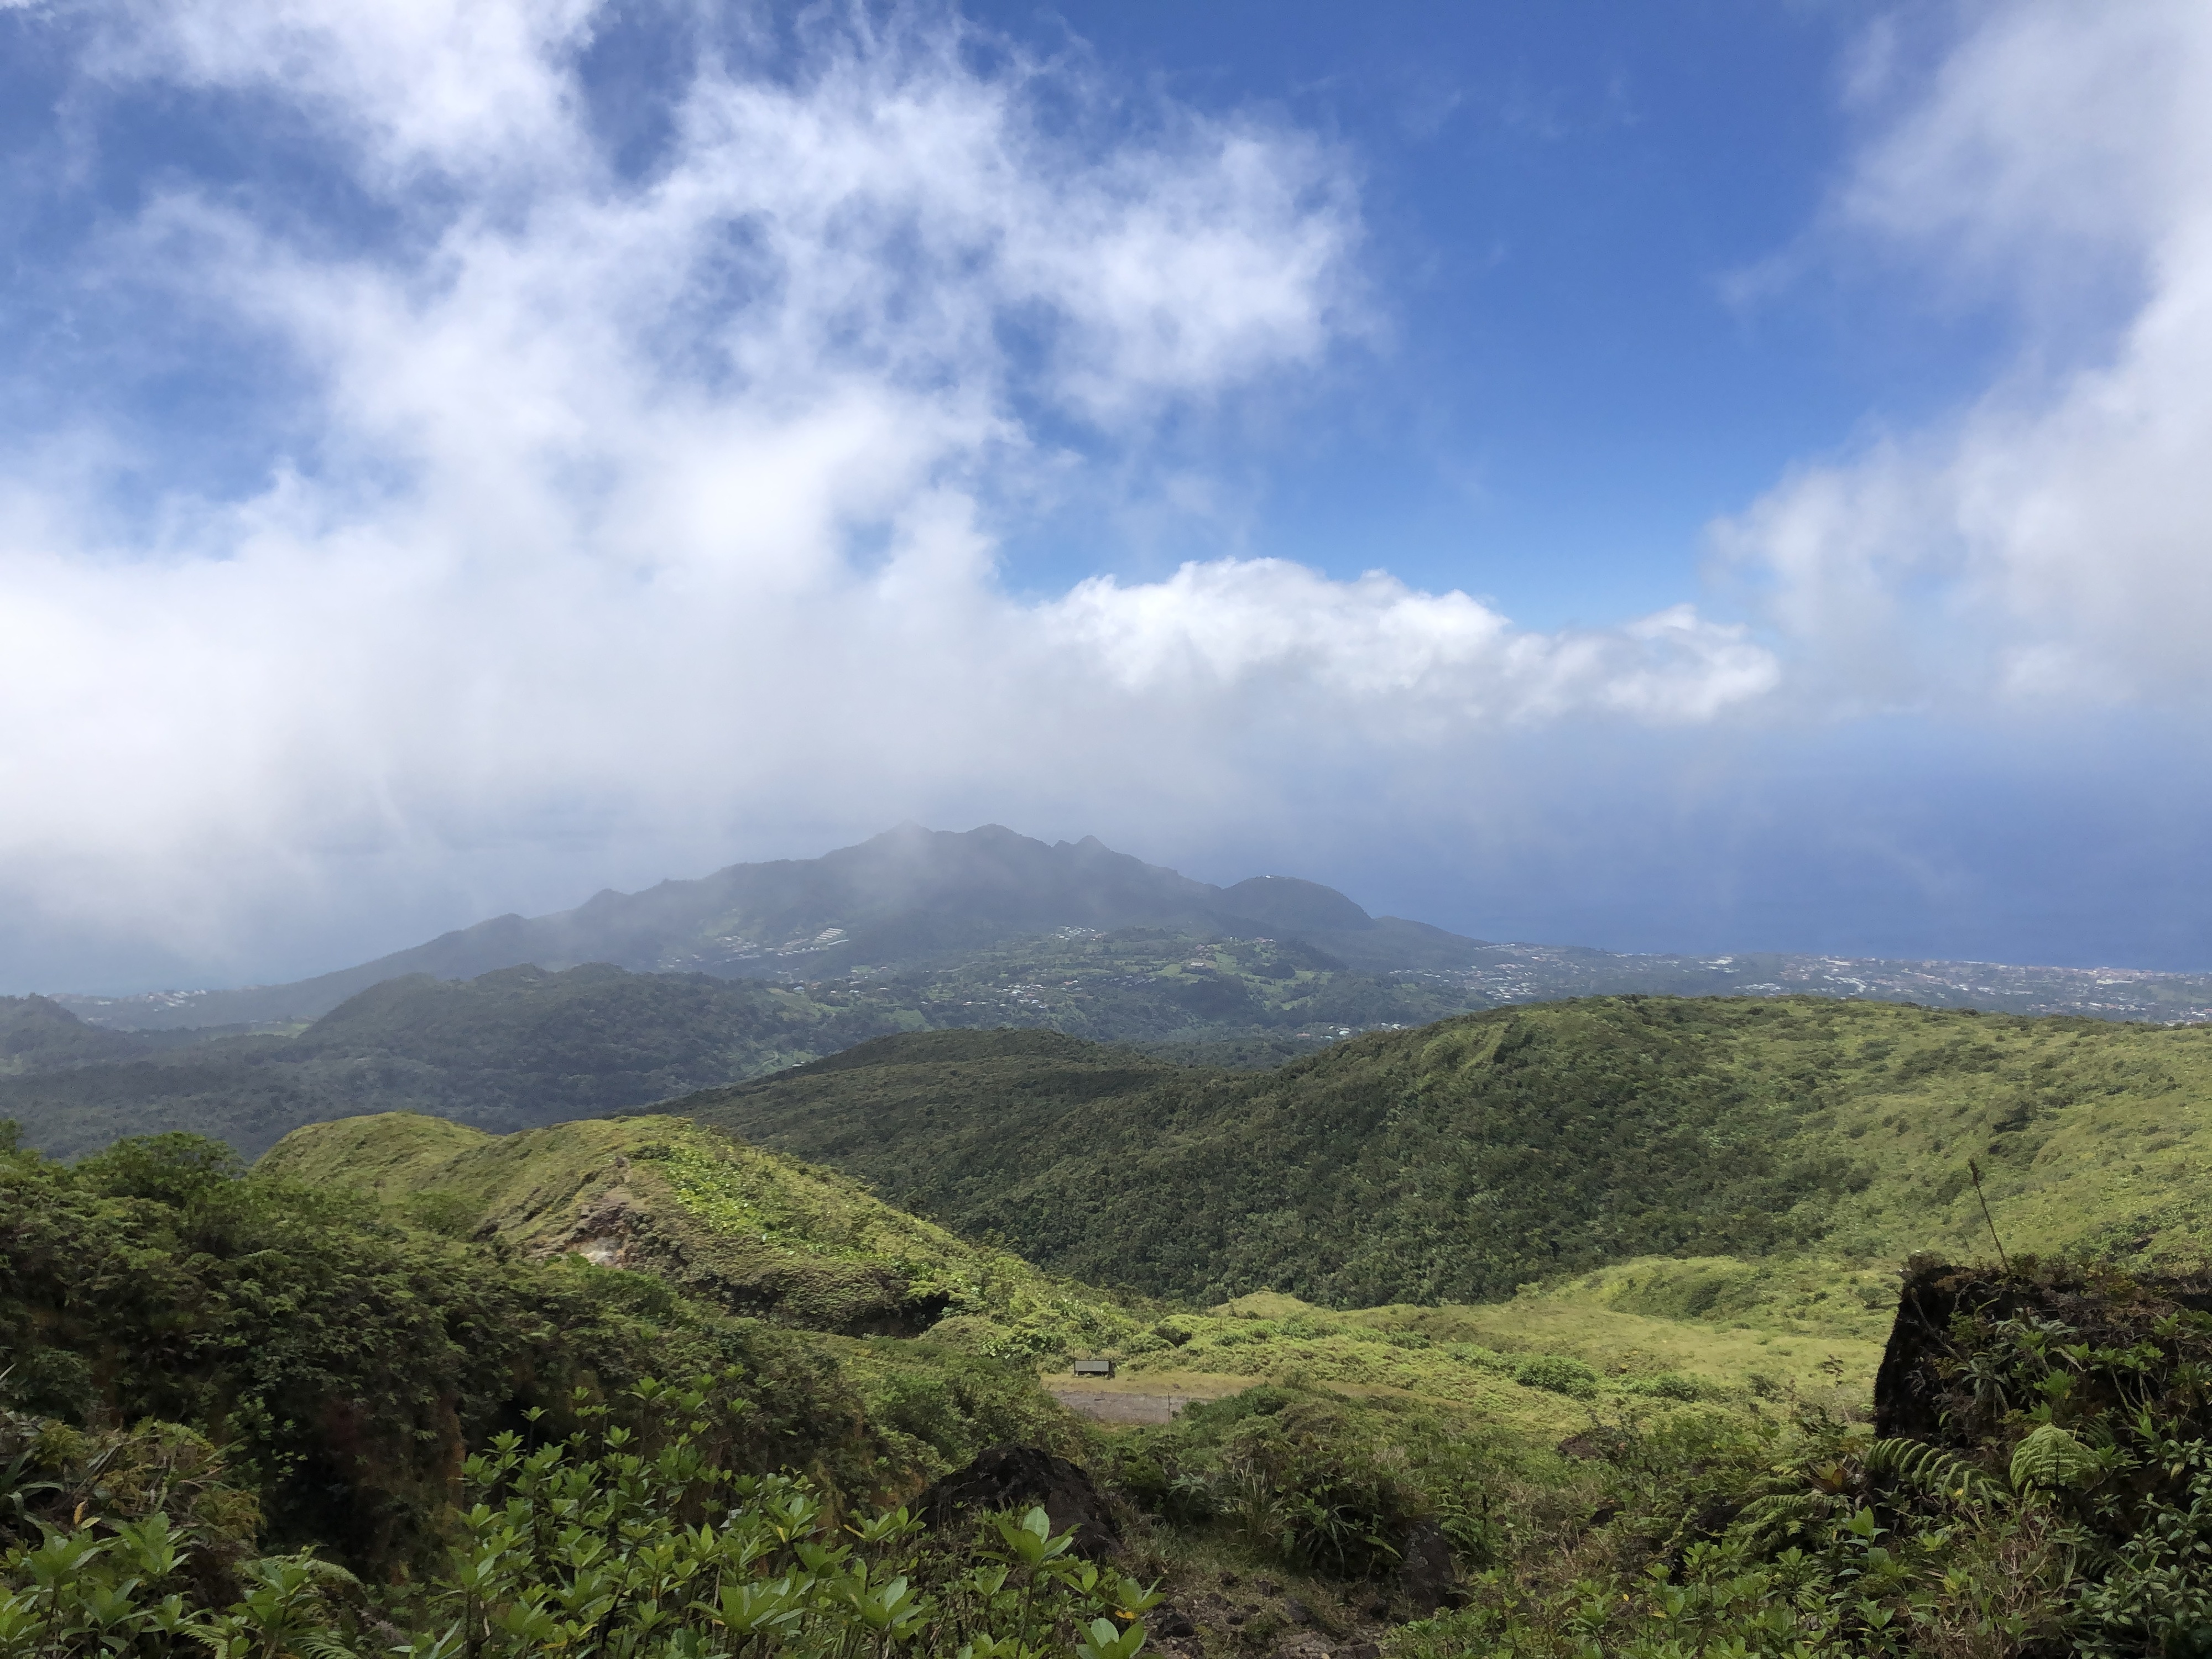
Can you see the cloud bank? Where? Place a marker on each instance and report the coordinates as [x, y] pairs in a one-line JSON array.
[[2051, 545], [582, 486]]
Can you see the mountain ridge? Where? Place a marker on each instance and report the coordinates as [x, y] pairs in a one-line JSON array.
[[908, 893], [1460, 1160], [913, 896]]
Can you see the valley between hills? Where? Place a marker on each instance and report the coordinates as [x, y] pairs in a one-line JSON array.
[[1617, 1323]]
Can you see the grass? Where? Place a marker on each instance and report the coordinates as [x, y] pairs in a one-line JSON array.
[[756, 1231], [1540, 1365]]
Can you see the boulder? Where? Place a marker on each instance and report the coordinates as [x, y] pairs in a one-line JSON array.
[[1016, 1477], [1918, 1393], [1426, 1579]]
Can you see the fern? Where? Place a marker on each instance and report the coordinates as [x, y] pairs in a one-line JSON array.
[[1930, 1470], [1767, 1523], [2050, 1457]]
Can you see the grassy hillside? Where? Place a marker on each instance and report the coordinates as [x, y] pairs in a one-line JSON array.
[[753, 1232], [1456, 1163], [757, 1233]]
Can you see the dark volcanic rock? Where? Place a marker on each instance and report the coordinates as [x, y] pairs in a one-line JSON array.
[[1017, 1477], [1426, 1578], [1917, 1394]]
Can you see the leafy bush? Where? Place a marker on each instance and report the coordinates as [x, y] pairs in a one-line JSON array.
[[608, 1543], [1324, 1485], [2045, 1490], [1556, 1374], [343, 1361], [1671, 1385]]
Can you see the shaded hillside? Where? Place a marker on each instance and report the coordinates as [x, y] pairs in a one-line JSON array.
[[940, 1121], [525, 1046], [504, 1051], [1457, 1162], [38, 1034], [904, 896], [752, 1232]]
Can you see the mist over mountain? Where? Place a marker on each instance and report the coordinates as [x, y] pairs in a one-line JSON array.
[[952, 905], [908, 893]]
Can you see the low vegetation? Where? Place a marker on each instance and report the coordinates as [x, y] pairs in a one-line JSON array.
[[341, 1357], [1537, 1365], [1571, 1331], [749, 1231]]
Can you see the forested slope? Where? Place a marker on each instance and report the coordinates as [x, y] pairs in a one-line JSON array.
[[1456, 1162], [506, 1051], [524, 1046]]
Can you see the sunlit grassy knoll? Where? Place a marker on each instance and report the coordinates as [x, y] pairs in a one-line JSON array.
[[761, 1233], [1541, 1363]]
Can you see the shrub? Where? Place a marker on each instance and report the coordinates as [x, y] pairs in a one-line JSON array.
[[1671, 1385], [610, 1543], [1557, 1374]]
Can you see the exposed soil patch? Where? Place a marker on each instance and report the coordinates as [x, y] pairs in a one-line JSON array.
[[1106, 1406]]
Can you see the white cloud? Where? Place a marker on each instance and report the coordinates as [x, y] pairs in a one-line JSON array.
[[1374, 645], [628, 501], [2055, 538]]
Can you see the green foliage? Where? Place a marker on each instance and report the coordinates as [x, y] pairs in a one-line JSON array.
[[1557, 1374], [1322, 1485], [2060, 1502], [1458, 1162], [754, 1232], [2050, 1457], [610, 1542], [341, 1361]]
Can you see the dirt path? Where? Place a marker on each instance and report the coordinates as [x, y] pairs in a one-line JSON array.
[[1121, 1405]]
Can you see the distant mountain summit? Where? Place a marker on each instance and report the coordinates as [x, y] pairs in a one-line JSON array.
[[904, 896], [925, 900]]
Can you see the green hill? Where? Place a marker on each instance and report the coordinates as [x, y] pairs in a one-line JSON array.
[[754, 1233], [524, 1046], [504, 1051], [38, 1034], [1455, 1163]]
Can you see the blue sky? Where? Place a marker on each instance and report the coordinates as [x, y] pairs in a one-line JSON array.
[[1725, 476], [1563, 198]]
